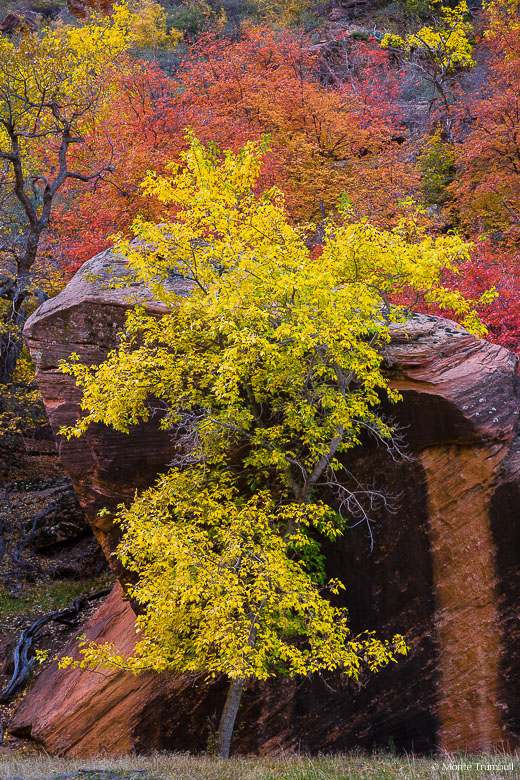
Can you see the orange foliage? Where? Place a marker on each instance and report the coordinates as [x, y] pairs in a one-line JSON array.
[[487, 189], [324, 140]]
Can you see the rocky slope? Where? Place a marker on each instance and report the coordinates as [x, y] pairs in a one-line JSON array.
[[444, 568]]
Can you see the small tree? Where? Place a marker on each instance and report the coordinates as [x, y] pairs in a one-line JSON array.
[[231, 582], [53, 88], [437, 165], [268, 372], [438, 51]]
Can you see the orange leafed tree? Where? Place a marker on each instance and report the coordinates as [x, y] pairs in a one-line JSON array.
[[324, 140], [485, 192], [487, 188]]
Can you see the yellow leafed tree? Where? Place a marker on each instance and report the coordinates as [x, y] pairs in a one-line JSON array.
[[53, 88], [438, 50], [268, 373]]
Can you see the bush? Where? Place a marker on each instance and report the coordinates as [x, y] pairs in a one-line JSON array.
[[437, 166]]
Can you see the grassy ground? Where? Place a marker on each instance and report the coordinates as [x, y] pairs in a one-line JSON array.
[[177, 766], [49, 597]]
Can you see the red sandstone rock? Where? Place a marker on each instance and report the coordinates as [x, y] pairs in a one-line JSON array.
[[444, 569], [106, 467], [82, 8], [90, 713], [19, 21]]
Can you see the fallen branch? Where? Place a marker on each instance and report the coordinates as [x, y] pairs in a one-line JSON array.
[[23, 661]]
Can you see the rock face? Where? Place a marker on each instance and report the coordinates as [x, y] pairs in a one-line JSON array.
[[60, 523], [443, 569], [82, 8], [106, 467], [82, 717], [19, 21]]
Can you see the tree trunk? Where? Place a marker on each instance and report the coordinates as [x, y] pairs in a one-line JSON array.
[[11, 326], [10, 349], [229, 714]]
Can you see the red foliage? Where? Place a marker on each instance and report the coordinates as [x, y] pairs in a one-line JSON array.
[[324, 140], [490, 267]]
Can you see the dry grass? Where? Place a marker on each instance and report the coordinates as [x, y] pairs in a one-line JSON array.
[[178, 766]]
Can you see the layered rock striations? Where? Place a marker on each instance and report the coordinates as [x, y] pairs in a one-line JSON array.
[[443, 568]]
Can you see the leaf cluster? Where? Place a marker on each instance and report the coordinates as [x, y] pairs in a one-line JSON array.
[[220, 592]]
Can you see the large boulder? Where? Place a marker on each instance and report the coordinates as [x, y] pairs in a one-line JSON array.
[[443, 567], [21, 21]]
